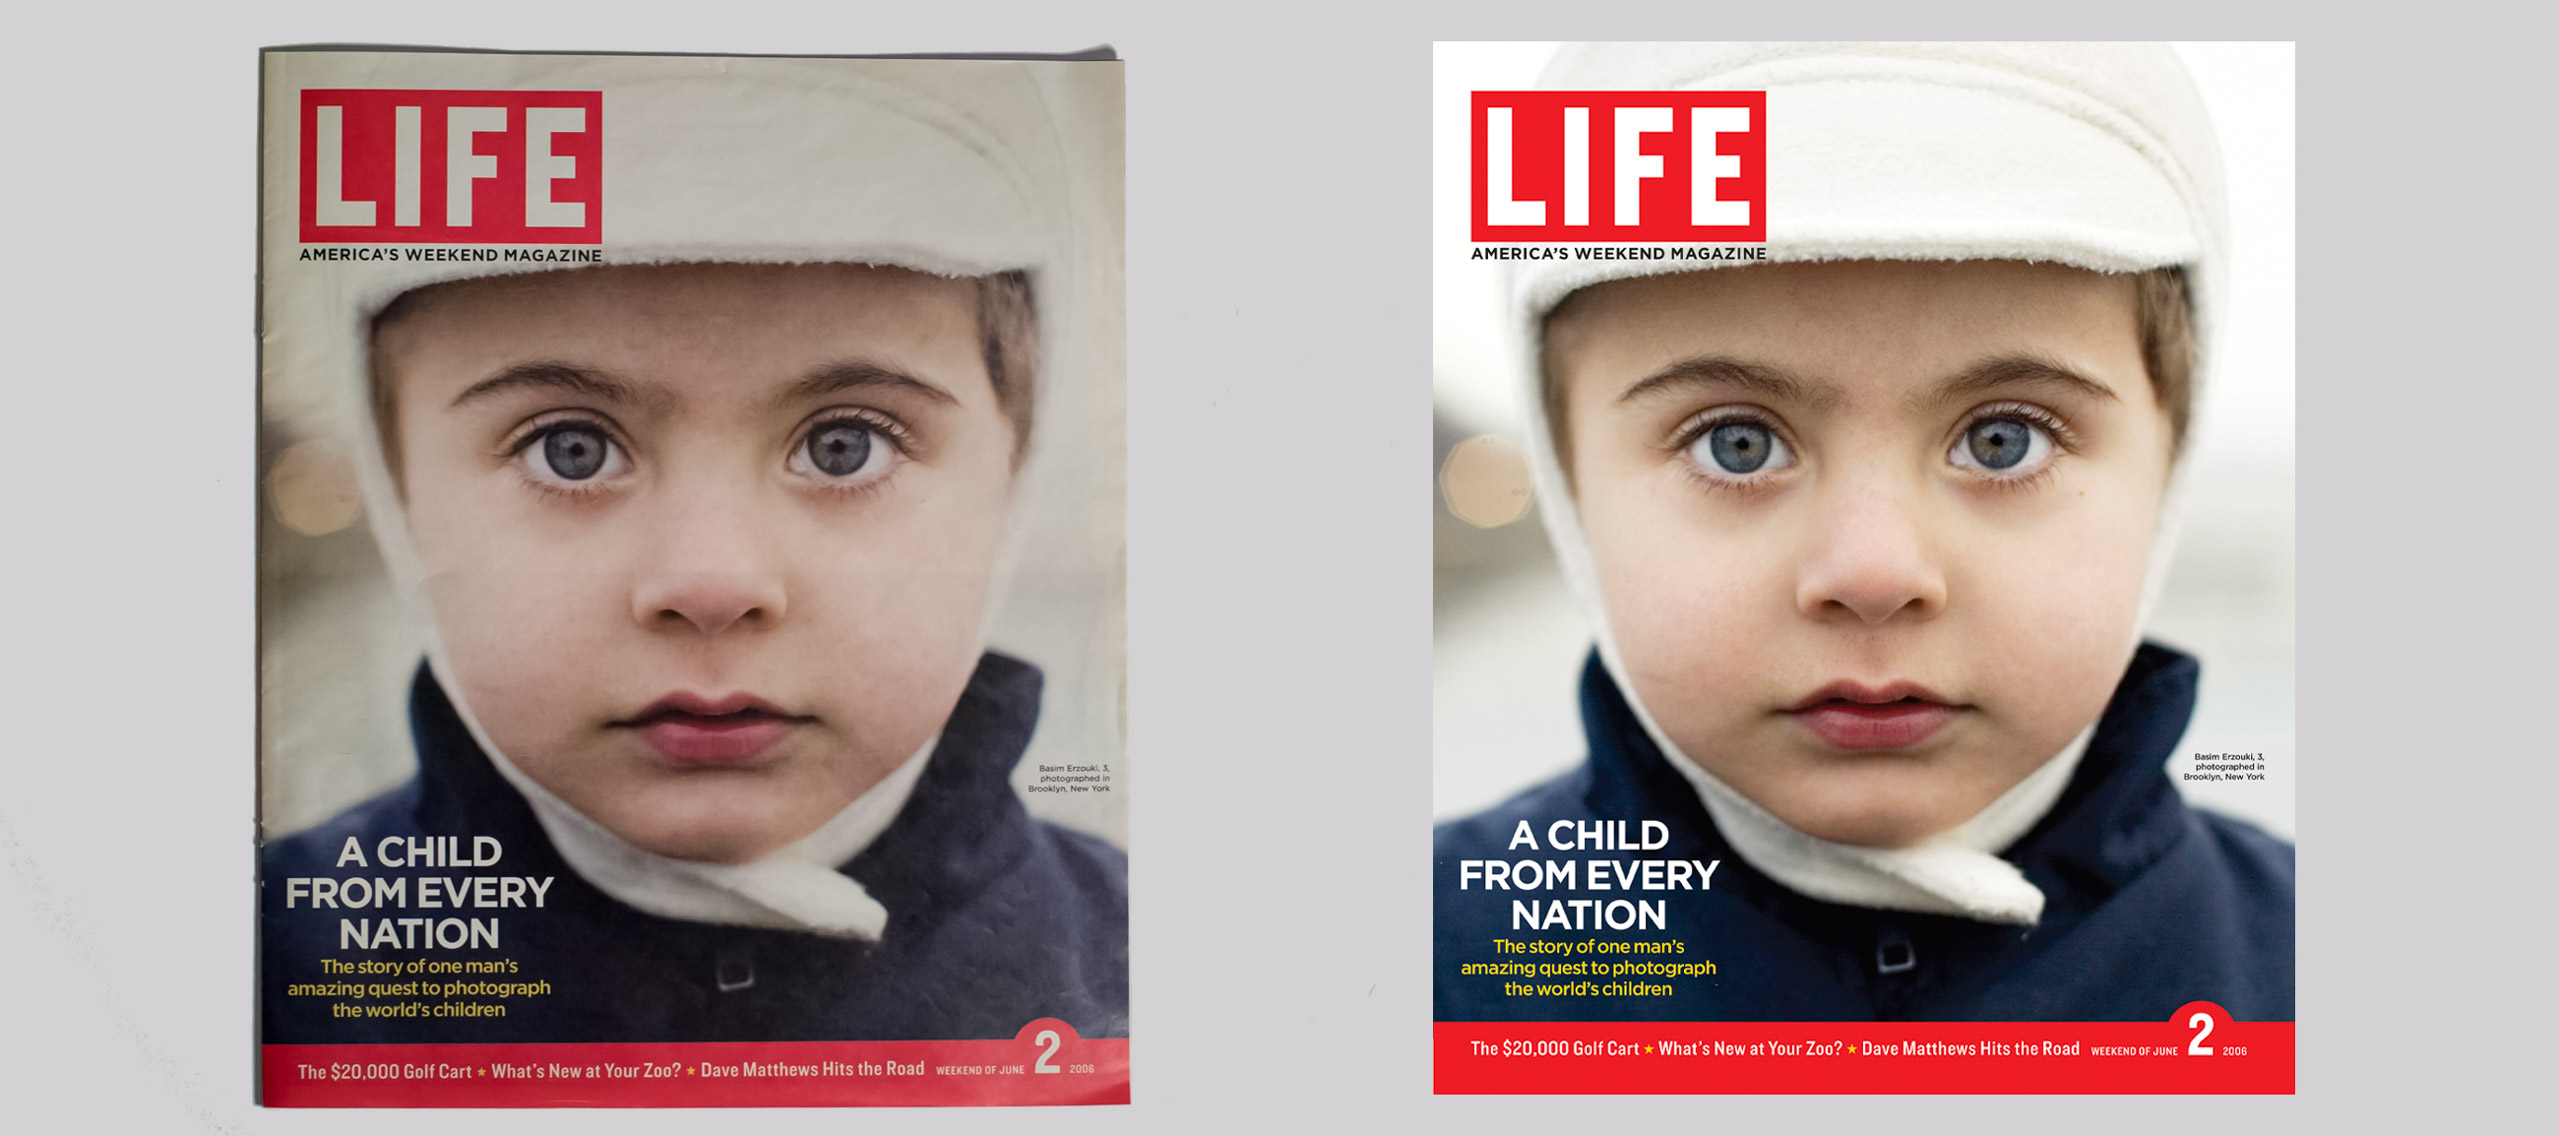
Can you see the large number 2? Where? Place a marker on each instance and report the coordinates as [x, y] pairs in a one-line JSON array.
[[1042, 1065], [2197, 1046]]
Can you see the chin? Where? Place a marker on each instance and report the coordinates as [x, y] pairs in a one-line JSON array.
[[699, 847], [702, 839], [1865, 824]]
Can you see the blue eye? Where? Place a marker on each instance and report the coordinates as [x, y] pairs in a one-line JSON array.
[[841, 451], [575, 454], [2002, 445], [572, 453], [1739, 448]]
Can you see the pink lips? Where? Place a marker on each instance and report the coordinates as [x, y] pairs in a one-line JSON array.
[[731, 730], [1848, 715]]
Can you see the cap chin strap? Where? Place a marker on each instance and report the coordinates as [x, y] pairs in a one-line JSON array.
[[796, 888], [1957, 872]]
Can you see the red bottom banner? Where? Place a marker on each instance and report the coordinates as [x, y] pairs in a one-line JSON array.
[[1046, 1063], [2198, 1050]]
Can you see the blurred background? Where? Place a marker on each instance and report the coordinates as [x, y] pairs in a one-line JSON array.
[[1509, 640]]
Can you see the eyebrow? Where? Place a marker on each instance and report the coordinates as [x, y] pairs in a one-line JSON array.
[[558, 376], [837, 377], [2016, 370], [1987, 375], [549, 375], [1724, 371]]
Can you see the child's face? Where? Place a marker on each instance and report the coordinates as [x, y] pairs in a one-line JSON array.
[[1871, 535], [708, 546]]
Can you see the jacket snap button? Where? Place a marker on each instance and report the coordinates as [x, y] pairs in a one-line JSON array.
[[1893, 954], [734, 972]]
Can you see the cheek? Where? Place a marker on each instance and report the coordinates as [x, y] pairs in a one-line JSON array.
[[896, 602], [2057, 606], [1688, 602], [527, 630]]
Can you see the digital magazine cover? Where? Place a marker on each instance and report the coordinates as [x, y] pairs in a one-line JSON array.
[[1863, 568], [691, 591]]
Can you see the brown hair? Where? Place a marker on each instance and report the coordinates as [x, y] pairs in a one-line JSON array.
[[1008, 335], [2165, 323], [2168, 346]]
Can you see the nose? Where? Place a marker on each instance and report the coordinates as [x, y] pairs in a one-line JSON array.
[[1871, 559], [706, 569]]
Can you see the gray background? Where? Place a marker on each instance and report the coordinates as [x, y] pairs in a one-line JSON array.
[[1279, 563]]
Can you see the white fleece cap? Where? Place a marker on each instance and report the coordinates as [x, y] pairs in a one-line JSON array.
[[2095, 155], [952, 167], [2098, 156]]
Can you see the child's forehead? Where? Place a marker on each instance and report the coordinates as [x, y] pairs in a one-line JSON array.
[[678, 293], [1842, 316], [1839, 292], [684, 322]]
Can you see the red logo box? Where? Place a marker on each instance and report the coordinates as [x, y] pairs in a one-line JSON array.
[[453, 167], [1625, 166]]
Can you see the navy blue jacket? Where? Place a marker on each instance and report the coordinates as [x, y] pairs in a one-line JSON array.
[[995, 919], [2148, 904]]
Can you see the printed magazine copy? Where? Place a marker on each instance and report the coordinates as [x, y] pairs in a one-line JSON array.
[[1898, 695], [691, 594]]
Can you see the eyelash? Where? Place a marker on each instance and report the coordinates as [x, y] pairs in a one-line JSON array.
[[544, 425], [887, 429], [2063, 439], [1695, 429]]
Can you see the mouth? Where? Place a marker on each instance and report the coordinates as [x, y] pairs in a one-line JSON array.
[[692, 729], [1855, 716]]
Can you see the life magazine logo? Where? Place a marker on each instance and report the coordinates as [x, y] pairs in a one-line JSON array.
[[452, 167], [1623, 167]]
